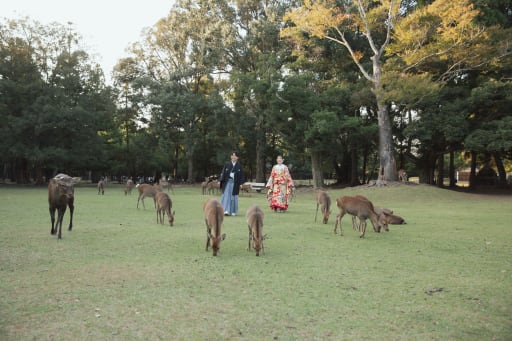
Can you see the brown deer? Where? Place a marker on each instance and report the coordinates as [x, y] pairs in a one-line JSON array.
[[255, 217], [380, 211], [213, 217], [213, 186], [204, 185], [61, 194], [246, 188], [101, 187], [324, 201], [146, 190], [392, 219], [164, 205], [359, 208], [129, 187], [402, 175]]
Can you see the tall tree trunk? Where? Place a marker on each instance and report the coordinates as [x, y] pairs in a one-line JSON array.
[[440, 171], [472, 173], [502, 174], [354, 178], [260, 155], [386, 148], [190, 164], [451, 170], [316, 169]]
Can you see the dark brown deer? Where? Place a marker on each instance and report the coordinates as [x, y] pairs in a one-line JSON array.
[[101, 187], [359, 208], [324, 202], [129, 187], [146, 190], [255, 217], [61, 194], [213, 217], [164, 206]]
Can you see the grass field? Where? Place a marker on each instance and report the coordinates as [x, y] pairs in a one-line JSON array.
[[446, 275]]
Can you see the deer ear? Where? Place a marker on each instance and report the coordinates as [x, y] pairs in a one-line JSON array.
[[223, 236], [173, 212]]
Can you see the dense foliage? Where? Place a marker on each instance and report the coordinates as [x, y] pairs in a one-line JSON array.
[[343, 89]]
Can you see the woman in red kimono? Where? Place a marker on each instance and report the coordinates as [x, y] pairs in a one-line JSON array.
[[279, 186]]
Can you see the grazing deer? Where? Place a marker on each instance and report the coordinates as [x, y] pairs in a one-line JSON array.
[[246, 188], [213, 186], [359, 208], [101, 187], [146, 190], [255, 217], [61, 194], [402, 175], [213, 217], [129, 187], [379, 211], [164, 205], [324, 201], [392, 219]]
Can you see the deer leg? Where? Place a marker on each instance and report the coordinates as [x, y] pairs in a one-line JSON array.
[[52, 218], [362, 228], [59, 221], [71, 209], [208, 235], [316, 211], [249, 240]]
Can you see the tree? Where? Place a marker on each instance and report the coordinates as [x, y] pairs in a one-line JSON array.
[[374, 22], [179, 57], [54, 104]]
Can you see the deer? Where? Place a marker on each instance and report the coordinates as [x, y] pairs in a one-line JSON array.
[[204, 185], [101, 187], [146, 190], [392, 219], [61, 194], [213, 217], [359, 208], [164, 205], [246, 188], [128, 188], [213, 186], [324, 201], [380, 211], [254, 218], [402, 175]]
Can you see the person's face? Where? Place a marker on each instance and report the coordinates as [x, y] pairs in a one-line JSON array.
[[234, 158], [279, 159]]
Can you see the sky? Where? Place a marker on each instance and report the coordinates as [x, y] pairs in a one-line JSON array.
[[108, 27]]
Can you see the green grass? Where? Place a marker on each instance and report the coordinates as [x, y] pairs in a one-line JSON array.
[[446, 275]]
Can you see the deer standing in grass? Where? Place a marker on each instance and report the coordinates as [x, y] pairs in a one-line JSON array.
[[101, 187], [61, 194], [213, 217], [359, 208], [146, 190], [129, 187], [324, 201], [255, 217], [163, 206], [380, 211]]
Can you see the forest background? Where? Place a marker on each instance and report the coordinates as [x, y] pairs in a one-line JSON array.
[[345, 90]]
